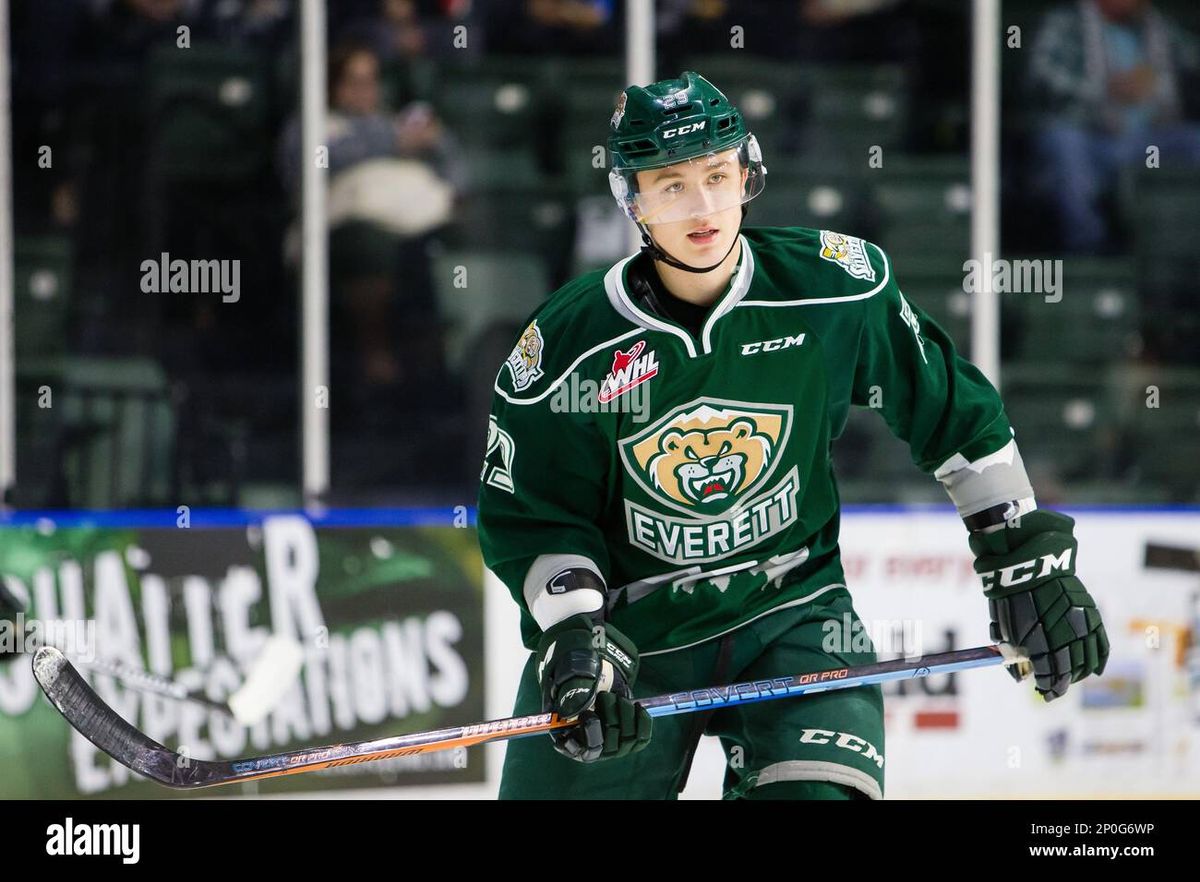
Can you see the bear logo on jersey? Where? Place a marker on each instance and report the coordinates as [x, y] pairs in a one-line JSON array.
[[709, 460], [705, 456], [707, 467]]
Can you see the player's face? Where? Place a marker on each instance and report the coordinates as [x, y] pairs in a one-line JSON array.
[[694, 208]]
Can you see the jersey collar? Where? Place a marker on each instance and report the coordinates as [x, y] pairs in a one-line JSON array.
[[618, 296]]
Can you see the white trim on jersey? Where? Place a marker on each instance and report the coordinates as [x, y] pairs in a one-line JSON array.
[[739, 289], [846, 298], [614, 285], [618, 296], [819, 770], [613, 341]]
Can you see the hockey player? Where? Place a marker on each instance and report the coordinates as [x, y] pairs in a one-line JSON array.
[[658, 493]]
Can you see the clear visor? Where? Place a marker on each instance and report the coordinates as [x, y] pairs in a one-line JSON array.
[[692, 189]]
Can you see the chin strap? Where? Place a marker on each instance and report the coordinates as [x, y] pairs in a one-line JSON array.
[[652, 249]]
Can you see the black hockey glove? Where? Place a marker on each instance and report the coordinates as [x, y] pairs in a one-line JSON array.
[[1037, 604], [587, 668], [9, 608]]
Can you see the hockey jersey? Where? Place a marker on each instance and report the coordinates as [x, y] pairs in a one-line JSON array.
[[694, 473]]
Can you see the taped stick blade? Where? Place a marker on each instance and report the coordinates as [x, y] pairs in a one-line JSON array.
[[96, 721]]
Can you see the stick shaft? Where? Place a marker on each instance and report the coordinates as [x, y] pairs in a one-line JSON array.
[[85, 711], [821, 681], [658, 706]]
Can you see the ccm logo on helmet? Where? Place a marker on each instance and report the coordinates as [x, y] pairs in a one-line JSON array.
[[683, 130], [1023, 572]]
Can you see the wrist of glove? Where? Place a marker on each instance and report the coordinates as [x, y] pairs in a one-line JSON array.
[[586, 668], [1037, 604]]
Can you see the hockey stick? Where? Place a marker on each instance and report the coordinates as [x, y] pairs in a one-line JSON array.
[[272, 674], [101, 725]]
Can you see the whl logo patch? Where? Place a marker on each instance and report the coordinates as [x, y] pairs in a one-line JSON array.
[[629, 369]]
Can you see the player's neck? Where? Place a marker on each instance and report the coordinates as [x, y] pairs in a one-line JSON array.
[[699, 288]]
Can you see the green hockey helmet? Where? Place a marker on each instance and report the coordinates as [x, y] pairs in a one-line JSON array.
[[688, 124]]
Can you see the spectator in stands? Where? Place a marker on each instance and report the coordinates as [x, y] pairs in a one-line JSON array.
[[691, 27], [103, 152], [834, 31], [856, 31], [1108, 77], [398, 30], [392, 182], [562, 27], [266, 24]]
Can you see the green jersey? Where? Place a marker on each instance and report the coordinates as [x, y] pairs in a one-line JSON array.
[[693, 473]]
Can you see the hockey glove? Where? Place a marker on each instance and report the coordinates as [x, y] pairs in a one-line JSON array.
[[587, 669], [1037, 604]]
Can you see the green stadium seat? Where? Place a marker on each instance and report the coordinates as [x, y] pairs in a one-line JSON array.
[[113, 429], [493, 112], [490, 168], [936, 287], [477, 288], [602, 234], [1096, 321], [809, 197], [1164, 439], [581, 173], [602, 73], [499, 218], [1165, 210], [849, 110], [1065, 416], [736, 70], [42, 275], [923, 206], [210, 109]]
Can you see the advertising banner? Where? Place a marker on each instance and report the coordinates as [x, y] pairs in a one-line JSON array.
[[390, 618]]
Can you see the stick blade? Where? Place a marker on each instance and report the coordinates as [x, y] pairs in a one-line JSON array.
[[104, 727]]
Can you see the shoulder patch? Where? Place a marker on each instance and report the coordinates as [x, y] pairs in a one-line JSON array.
[[848, 253], [525, 362]]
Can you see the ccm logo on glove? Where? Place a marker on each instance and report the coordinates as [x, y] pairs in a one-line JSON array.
[[1027, 570]]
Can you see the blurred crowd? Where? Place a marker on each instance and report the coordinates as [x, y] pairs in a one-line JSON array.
[[137, 168], [1109, 78]]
